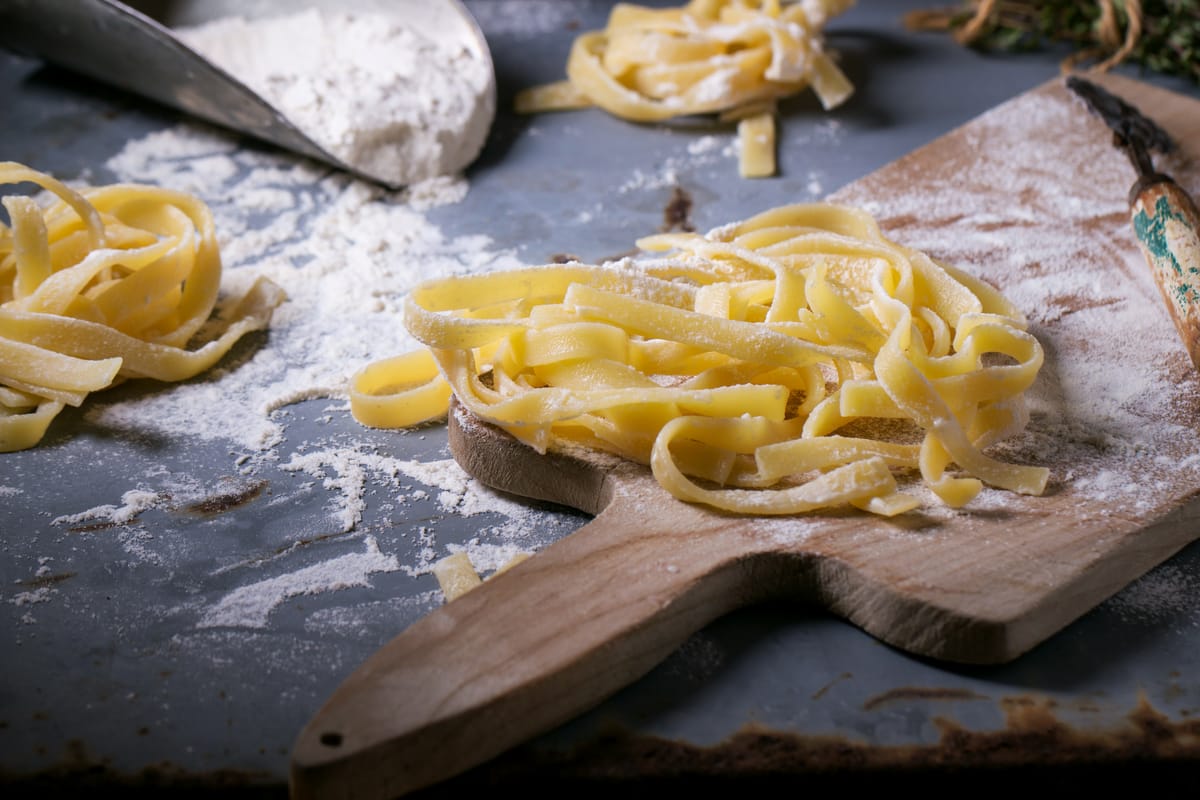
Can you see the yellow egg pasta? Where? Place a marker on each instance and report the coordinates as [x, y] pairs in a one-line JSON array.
[[794, 361], [456, 575], [727, 57], [101, 285]]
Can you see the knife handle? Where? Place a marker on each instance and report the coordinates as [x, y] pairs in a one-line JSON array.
[[1168, 227]]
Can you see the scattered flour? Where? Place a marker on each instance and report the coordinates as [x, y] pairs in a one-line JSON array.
[[525, 18], [136, 541], [699, 152], [133, 502], [249, 606], [666, 176], [825, 132], [487, 557], [362, 621], [371, 89], [704, 144], [39, 595], [353, 468], [349, 480], [1167, 592]]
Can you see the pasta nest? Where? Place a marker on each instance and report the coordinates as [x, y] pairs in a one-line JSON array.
[[706, 57], [105, 284], [734, 58], [794, 361]]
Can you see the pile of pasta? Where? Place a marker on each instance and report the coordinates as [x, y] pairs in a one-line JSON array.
[[105, 284], [729, 57], [794, 361]]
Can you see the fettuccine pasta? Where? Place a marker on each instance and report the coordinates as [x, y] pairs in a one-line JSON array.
[[102, 285], [794, 361], [729, 57]]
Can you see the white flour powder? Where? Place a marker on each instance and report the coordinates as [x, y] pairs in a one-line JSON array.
[[525, 17], [1169, 593], [384, 98], [133, 502], [249, 606]]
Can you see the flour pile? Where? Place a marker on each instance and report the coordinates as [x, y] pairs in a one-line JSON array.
[[387, 99]]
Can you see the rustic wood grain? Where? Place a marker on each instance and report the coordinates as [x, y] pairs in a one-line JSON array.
[[591, 613]]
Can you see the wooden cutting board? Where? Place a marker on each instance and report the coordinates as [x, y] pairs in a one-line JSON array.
[[1030, 196]]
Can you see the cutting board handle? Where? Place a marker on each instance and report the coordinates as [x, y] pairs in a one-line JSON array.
[[529, 649]]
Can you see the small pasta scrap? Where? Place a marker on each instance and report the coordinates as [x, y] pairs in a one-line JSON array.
[[456, 574], [794, 361], [105, 284], [734, 58]]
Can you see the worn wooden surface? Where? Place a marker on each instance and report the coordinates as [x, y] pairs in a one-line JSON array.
[[592, 612]]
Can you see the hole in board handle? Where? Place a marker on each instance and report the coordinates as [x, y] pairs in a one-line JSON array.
[[331, 739]]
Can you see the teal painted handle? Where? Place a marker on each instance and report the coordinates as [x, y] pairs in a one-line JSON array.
[[1168, 227]]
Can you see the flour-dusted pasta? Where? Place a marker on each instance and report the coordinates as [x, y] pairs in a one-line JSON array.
[[729, 57], [101, 285], [793, 361], [456, 575]]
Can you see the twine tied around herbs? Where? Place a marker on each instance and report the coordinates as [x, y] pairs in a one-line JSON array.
[[1114, 36]]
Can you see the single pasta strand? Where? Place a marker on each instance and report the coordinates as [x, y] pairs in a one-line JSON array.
[[756, 146], [747, 416]]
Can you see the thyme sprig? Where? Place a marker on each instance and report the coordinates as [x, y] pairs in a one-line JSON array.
[[1161, 35]]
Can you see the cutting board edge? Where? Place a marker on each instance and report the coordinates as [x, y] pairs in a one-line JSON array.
[[914, 619], [1004, 638]]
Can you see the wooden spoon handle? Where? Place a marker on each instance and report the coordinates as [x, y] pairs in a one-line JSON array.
[[524, 652], [1168, 228]]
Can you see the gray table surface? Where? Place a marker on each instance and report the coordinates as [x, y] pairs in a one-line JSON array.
[[102, 682]]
